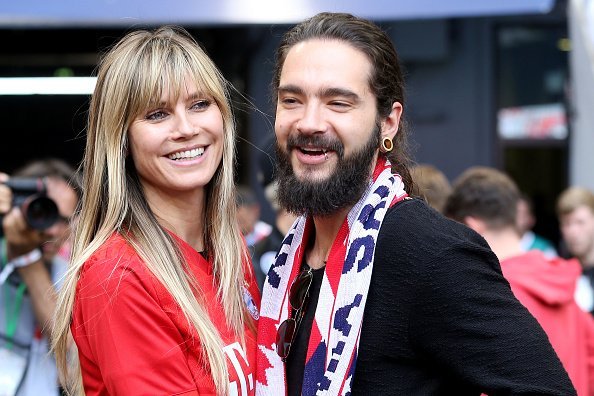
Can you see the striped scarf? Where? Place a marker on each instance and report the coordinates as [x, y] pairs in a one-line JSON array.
[[334, 340]]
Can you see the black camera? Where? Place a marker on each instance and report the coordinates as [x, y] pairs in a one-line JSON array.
[[30, 195]]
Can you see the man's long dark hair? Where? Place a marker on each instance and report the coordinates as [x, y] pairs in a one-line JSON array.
[[386, 80]]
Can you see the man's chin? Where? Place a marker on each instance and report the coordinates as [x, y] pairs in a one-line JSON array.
[[313, 177]]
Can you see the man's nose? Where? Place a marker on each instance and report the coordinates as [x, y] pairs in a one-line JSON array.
[[312, 120]]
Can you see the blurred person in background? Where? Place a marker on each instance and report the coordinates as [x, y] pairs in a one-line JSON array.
[[28, 297], [525, 222], [265, 250], [248, 216], [575, 210], [432, 185], [486, 200], [252, 228]]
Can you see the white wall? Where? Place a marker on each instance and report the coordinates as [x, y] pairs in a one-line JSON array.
[[581, 62]]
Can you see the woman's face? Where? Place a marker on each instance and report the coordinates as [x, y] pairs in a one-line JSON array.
[[178, 145]]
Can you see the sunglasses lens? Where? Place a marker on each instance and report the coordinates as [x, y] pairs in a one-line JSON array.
[[284, 337], [299, 289], [286, 330]]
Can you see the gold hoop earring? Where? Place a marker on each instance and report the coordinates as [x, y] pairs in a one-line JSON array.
[[387, 144]]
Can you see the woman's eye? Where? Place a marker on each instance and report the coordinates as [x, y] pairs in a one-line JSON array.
[[156, 115], [201, 105]]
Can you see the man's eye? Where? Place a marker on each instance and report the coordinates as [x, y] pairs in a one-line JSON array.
[[288, 101]]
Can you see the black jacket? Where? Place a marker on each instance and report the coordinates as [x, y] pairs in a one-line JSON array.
[[440, 319]]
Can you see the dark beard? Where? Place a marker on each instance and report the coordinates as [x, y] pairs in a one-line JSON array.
[[343, 188]]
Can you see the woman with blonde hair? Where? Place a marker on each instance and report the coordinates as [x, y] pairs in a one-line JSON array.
[[160, 298]]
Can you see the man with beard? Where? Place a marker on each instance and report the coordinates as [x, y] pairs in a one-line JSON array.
[[373, 292]]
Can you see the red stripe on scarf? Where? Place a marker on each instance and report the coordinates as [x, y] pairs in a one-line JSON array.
[[315, 337], [380, 166]]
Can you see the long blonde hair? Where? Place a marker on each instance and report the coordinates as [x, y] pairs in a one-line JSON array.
[[131, 78]]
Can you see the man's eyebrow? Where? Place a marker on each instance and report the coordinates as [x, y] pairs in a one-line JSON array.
[[323, 93], [290, 89], [342, 92]]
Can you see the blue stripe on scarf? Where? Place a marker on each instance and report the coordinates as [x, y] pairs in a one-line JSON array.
[[273, 278], [340, 319], [367, 243], [314, 365]]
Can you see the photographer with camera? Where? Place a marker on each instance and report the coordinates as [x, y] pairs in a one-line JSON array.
[[36, 204]]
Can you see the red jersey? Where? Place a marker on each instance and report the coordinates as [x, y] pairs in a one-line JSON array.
[[133, 339]]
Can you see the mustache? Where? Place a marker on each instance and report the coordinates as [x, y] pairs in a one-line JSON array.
[[324, 142]]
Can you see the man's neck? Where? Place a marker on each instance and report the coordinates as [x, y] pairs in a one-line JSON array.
[[326, 228], [284, 221], [587, 260], [505, 243]]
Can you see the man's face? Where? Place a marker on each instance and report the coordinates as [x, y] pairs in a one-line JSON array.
[[326, 126], [66, 200], [577, 228], [324, 93], [524, 218]]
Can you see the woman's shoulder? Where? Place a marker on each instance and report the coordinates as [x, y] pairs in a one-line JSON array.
[[115, 249], [115, 243], [112, 263]]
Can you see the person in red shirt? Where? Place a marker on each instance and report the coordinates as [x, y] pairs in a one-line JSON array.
[[486, 199], [160, 297]]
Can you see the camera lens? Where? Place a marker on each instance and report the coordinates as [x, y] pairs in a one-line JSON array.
[[40, 211]]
